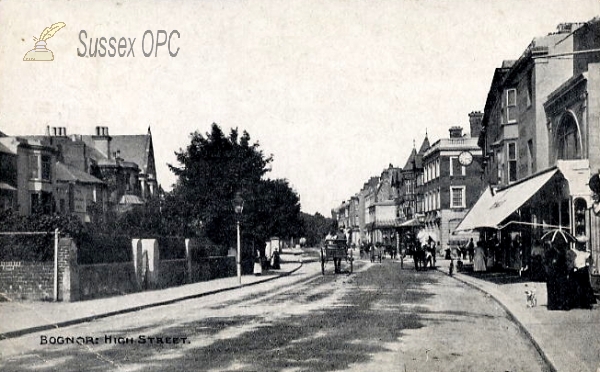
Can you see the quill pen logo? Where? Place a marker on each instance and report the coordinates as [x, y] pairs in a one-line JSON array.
[[40, 52]]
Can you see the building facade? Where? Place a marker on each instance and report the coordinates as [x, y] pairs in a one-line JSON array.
[[540, 144], [57, 173], [450, 188]]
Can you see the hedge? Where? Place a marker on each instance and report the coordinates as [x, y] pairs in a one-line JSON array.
[[101, 248], [171, 248], [36, 248]]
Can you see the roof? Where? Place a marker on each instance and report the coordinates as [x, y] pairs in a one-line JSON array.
[[130, 199], [424, 146], [8, 145], [416, 158], [70, 174], [410, 163], [133, 148]]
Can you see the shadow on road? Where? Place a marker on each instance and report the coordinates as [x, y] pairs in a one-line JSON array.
[[375, 308]]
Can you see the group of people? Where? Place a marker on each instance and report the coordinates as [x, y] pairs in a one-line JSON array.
[[424, 255], [567, 277]]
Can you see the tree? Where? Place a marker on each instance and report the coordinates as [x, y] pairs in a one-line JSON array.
[[316, 227], [212, 169], [273, 210]]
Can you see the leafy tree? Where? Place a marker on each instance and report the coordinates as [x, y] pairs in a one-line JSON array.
[[273, 210], [212, 169], [316, 227]]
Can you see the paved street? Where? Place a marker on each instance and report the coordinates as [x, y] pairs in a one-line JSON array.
[[380, 318]]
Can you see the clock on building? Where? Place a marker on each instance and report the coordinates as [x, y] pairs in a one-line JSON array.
[[465, 158]]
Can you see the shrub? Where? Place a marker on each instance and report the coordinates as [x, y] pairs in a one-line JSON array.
[[37, 248], [101, 248], [171, 248], [17, 247]]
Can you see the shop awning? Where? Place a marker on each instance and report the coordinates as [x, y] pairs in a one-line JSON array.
[[410, 223], [490, 210], [6, 186]]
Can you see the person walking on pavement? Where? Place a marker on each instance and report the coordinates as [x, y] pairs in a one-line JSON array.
[[471, 250], [557, 282], [479, 258], [581, 294]]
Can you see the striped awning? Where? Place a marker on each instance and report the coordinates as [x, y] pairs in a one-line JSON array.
[[491, 209]]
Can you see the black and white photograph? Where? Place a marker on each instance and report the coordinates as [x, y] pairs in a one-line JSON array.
[[299, 186]]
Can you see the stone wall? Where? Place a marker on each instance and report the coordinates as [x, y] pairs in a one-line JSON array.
[[212, 268], [103, 280], [171, 273]]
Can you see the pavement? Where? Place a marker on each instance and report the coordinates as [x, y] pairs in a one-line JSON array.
[[19, 318], [567, 340]]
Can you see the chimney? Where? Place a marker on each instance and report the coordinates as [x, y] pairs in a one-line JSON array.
[[455, 132], [475, 120], [102, 141]]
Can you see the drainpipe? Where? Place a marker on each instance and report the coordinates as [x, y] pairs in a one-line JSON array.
[[55, 265]]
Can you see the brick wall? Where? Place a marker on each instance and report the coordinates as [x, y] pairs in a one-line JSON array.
[[35, 280], [27, 280]]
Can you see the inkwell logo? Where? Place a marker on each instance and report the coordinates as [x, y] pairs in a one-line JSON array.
[[40, 52]]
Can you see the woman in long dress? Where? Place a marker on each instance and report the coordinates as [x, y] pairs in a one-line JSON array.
[[582, 295], [479, 259]]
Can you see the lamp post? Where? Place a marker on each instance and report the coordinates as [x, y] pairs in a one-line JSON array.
[[238, 205]]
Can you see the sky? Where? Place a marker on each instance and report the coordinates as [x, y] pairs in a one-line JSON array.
[[335, 90]]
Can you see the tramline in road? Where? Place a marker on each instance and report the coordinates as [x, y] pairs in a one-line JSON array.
[[379, 318]]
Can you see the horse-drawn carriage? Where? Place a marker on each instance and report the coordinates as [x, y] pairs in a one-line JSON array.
[[336, 250]]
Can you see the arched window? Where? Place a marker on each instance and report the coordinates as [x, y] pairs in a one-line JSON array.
[[568, 142]]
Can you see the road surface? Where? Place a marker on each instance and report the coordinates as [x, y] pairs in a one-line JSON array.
[[380, 318]]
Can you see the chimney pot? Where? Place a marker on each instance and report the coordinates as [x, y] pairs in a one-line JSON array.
[[455, 132]]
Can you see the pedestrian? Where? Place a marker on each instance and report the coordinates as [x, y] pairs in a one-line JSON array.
[[479, 258], [490, 253], [257, 264], [471, 250], [557, 282], [579, 277], [451, 267]]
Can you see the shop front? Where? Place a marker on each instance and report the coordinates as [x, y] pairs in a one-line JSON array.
[[512, 221]]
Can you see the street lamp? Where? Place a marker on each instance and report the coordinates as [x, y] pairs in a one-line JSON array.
[[238, 205]]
